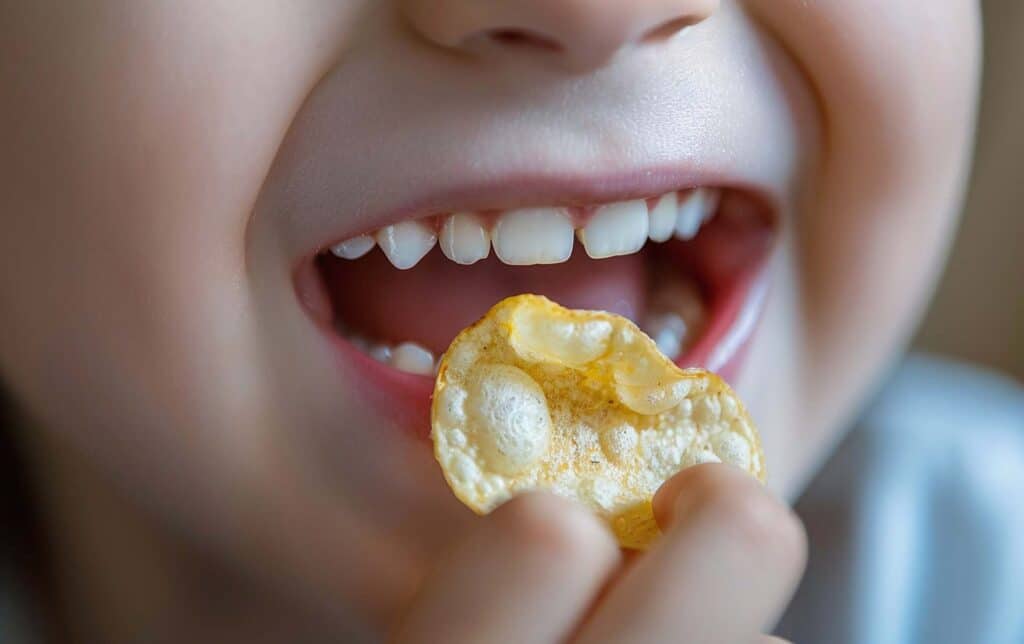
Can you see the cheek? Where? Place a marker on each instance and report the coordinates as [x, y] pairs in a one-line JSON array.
[[136, 151], [897, 88]]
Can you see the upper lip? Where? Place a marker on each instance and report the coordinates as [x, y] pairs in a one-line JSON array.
[[420, 137]]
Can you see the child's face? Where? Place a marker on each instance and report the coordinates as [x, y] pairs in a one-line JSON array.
[[170, 171]]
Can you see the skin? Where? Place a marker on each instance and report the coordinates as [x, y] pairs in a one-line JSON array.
[[208, 471]]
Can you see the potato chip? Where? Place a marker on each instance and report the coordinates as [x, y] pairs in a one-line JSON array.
[[581, 403]]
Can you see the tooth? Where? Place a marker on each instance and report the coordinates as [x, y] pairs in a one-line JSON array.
[[616, 229], [695, 207], [412, 358], [663, 218], [677, 304], [381, 353], [354, 248], [668, 331], [406, 242], [533, 236], [463, 239]]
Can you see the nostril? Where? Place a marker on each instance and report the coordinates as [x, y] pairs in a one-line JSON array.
[[670, 28], [511, 37]]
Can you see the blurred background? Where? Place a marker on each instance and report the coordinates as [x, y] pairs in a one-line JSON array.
[[915, 521], [978, 311]]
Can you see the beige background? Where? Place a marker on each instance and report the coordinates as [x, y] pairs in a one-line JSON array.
[[978, 313]]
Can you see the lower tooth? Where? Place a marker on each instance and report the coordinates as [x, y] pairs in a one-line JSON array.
[[678, 317], [685, 299], [381, 353], [412, 358], [668, 332]]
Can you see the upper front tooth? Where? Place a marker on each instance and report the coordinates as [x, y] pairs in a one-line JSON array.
[[695, 208], [616, 229], [533, 236], [663, 218], [463, 239], [406, 242], [354, 248]]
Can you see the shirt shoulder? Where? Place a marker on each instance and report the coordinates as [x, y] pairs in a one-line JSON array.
[[916, 524]]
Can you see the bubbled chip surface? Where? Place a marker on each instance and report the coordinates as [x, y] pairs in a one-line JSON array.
[[581, 403]]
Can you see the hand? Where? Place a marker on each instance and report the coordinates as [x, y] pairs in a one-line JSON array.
[[542, 569]]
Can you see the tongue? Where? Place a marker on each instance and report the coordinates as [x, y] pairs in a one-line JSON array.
[[431, 303]]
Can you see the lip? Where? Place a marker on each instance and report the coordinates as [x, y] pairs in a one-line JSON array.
[[722, 347]]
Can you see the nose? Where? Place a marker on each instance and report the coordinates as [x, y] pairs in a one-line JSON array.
[[578, 34]]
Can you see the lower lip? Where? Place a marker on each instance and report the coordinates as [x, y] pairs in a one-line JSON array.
[[405, 398], [734, 320]]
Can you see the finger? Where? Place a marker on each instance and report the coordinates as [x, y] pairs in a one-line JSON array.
[[726, 566], [528, 574]]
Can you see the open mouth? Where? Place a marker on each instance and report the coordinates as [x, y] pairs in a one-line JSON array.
[[687, 266]]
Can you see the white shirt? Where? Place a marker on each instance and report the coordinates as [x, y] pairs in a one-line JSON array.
[[917, 524]]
